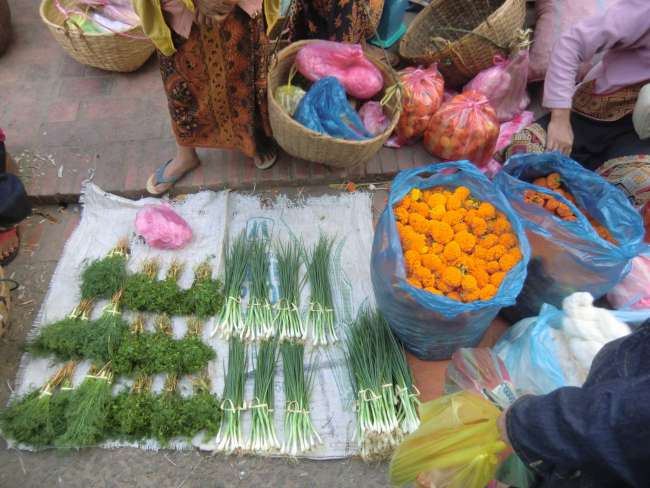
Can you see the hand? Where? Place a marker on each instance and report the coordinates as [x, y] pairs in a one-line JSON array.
[[559, 135], [207, 11]]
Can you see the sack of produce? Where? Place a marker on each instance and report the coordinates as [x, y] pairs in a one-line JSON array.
[[289, 96], [582, 230], [346, 62], [449, 252], [633, 293], [466, 127], [422, 93], [325, 109], [457, 444], [556, 348]]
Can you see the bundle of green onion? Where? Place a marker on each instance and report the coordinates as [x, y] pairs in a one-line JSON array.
[[289, 321], [259, 323], [300, 436], [263, 437], [230, 321], [229, 439], [320, 316]]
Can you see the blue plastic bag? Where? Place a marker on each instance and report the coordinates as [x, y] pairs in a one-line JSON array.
[[570, 256], [325, 109], [432, 326]]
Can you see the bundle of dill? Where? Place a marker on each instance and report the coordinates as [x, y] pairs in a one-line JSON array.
[[104, 277], [104, 337], [299, 433], [229, 439], [87, 410], [321, 316], [205, 297], [237, 256], [289, 321], [263, 437], [259, 323]]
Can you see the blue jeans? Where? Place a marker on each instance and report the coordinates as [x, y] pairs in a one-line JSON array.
[[597, 435]]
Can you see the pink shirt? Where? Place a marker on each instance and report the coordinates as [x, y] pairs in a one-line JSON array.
[[621, 34]]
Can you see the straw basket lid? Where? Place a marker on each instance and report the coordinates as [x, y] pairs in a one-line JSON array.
[[462, 36], [303, 143], [124, 52]]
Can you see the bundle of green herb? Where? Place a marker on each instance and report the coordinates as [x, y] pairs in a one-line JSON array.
[[259, 323], [229, 439], [320, 315], [104, 337], [104, 277], [299, 432], [131, 412], [143, 292], [263, 437], [289, 321], [87, 410], [230, 321], [35, 419], [167, 421], [202, 409], [205, 298]]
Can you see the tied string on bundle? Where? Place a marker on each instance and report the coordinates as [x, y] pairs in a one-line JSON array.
[[231, 406], [294, 407]]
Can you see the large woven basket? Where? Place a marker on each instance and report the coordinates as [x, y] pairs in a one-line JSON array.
[[303, 143], [5, 304], [108, 51], [462, 36]]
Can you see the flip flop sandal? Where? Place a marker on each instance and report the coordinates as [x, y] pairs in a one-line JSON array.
[[262, 162], [159, 178], [12, 255]]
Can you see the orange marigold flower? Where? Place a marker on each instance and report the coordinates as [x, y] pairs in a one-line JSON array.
[[471, 296], [482, 277], [401, 214], [421, 225], [442, 233], [454, 295], [412, 259], [436, 248], [429, 282], [471, 203], [478, 225], [515, 252], [421, 208], [452, 217], [460, 227], [488, 241], [465, 261], [470, 214], [432, 262], [487, 292], [406, 202], [415, 218], [444, 287], [414, 282], [451, 252], [416, 194], [454, 202], [497, 278], [465, 240], [452, 276], [507, 262], [480, 252], [508, 240], [492, 267], [437, 199], [501, 226], [495, 252], [420, 273], [437, 212], [486, 210], [469, 283], [462, 192]]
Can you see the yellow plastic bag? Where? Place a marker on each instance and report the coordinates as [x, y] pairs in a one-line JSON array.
[[457, 442]]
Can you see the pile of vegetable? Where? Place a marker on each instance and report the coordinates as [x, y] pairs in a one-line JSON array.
[[553, 182], [454, 244]]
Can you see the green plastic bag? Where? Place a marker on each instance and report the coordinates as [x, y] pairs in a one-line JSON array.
[[289, 96]]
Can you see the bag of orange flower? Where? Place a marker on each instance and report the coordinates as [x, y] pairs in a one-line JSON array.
[[466, 127], [587, 246], [453, 211], [422, 93]]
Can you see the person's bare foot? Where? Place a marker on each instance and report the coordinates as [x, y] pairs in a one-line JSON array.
[[9, 242], [170, 172]]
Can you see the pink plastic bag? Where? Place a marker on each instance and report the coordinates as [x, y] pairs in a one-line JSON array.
[[373, 117], [634, 291], [346, 62], [504, 84], [507, 130], [162, 228]]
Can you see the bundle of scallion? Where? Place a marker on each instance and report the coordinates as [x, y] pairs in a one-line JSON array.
[[229, 439], [260, 322], [263, 437], [300, 436], [104, 277], [289, 321], [230, 320], [321, 315]]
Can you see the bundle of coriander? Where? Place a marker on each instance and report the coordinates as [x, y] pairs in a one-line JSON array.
[[289, 321], [300, 436], [229, 439], [259, 322], [263, 437], [230, 320], [320, 316], [205, 297], [104, 277], [131, 411], [144, 292]]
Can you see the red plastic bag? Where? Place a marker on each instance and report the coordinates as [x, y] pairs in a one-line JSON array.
[[466, 127], [504, 85], [422, 94], [346, 62]]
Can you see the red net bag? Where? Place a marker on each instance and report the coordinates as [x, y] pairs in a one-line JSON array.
[[422, 92], [466, 127]]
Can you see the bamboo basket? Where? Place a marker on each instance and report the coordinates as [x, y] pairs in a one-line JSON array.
[[303, 143], [462, 36], [107, 51], [5, 304]]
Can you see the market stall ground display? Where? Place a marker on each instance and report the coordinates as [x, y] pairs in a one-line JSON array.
[[129, 419]]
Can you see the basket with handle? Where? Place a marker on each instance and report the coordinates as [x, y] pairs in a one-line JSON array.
[[303, 143], [122, 52], [462, 36]]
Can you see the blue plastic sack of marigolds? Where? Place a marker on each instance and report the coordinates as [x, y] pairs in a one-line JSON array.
[[459, 294], [569, 255]]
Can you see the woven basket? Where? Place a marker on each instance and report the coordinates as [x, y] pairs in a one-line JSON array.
[[5, 304], [106, 51], [456, 35], [303, 143]]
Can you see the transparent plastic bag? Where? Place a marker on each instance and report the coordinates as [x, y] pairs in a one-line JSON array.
[[346, 62], [633, 293], [422, 93], [162, 228], [289, 96], [374, 119], [466, 127], [457, 443]]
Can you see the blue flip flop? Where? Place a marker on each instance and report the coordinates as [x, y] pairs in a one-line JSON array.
[[159, 178]]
